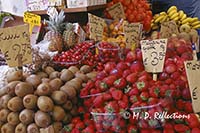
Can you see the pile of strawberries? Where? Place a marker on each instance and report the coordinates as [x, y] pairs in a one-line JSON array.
[[124, 98]]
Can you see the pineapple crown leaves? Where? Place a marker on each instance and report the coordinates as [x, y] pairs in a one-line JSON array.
[[57, 23], [69, 26]]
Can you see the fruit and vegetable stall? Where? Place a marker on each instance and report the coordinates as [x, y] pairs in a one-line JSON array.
[[129, 71]]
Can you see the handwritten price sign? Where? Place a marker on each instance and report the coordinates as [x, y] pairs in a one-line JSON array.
[[116, 11], [132, 33], [168, 28], [153, 52], [15, 45], [193, 74], [96, 27]]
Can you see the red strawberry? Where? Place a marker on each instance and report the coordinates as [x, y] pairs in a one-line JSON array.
[[103, 86], [195, 130], [122, 66], [126, 73], [154, 91], [143, 124], [132, 129], [109, 66], [180, 104], [134, 99], [88, 129], [75, 130], [98, 101], [168, 125], [111, 107], [193, 121], [131, 56], [137, 66], [101, 75], [120, 83], [68, 128], [142, 85], [152, 101], [107, 96], [117, 94], [76, 120], [80, 125], [110, 80], [144, 76], [133, 91], [188, 107], [144, 95], [181, 128], [84, 92], [116, 72], [88, 122], [125, 99], [186, 93], [132, 78], [122, 104]]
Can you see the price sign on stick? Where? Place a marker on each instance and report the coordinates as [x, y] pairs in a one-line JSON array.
[[15, 45], [193, 74], [132, 33], [116, 11], [96, 27], [32, 20], [168, 28], [153, 52]]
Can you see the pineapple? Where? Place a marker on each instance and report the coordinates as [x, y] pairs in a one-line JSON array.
[[69, 36], [56, 27]]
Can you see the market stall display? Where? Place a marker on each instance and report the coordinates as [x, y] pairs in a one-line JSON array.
[[123, 75]]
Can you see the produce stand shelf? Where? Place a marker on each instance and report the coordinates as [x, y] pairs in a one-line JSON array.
[[75, 10]]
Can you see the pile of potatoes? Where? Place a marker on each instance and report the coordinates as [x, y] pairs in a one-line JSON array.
[[33, 103]]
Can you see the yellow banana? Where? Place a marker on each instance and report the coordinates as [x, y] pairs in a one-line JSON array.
[[195, 23], [187, 20], [174, 16], [156, 16], [181, 13], [159, 18], [171, 8], [184, 17], [194, 20], [163, 13], [196, 26], [164, 19], [172, 13], [154, 27]]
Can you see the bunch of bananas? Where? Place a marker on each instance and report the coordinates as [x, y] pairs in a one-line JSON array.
[[178, 16]]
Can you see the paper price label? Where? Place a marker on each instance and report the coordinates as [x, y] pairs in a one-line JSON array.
[[15, 43], [35, 5], [31, 18], [193, 74], [55, 2], [116, 11], [153, 52], [168, 28], [132, 33], [96, 27]]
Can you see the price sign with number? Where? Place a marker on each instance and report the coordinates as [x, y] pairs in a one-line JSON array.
[[55, 2], [168, 28], [15, 45], [132, 33], [116, 11], [32, 20], [193, 74], [96, 27], [153, 52]]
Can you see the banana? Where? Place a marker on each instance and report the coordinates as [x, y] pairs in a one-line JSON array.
[[171, 9], [156, 16], [154, 27], [172, 13], [181, 13], [159, 18], [174, 16], [183, 17], [196, 26], [195, 23], [194, 20], [163, 13], [164, 19], [187, 20]]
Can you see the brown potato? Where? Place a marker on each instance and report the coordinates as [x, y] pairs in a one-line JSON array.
[[11, 87], [75, 83], [82, 76], [49, 70], [23, 88], [73, 69], [42, 74], [91, 75], [67, 119], [54, 75], [57, 126], [68, 105], [74, 111], [13, 118]]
